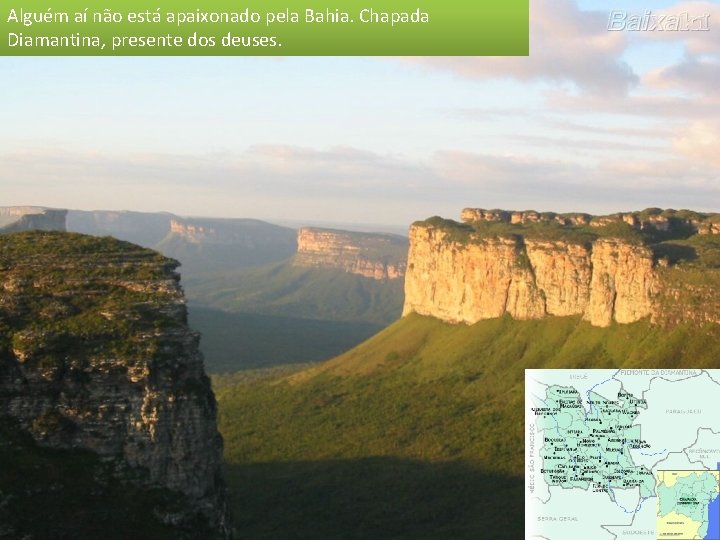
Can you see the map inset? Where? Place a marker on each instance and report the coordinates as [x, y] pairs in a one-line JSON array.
[[622, 454], [688, 505]]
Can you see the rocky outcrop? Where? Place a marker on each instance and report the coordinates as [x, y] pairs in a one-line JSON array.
[[466, 273], [195, 234], [651, 218], [29, 218], [709, 227], [96, 354], [372, 255]]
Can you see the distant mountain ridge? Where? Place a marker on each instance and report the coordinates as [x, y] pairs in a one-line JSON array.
[[200, 244], [143, 228], [28, 218], [219, 244]]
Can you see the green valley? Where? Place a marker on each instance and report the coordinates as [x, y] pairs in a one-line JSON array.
[[417, 433]]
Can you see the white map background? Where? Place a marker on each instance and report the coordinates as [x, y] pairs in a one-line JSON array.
[[681, 425]]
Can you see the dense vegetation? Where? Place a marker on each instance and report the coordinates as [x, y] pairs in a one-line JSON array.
[[679, 232], [417, 433], [41, 310]]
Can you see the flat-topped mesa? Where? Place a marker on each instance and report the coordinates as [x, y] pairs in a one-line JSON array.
[[96, 355], [373, 255], [620, 268], [29, 218], [238, 232]]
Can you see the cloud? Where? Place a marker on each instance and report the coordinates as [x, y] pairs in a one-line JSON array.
[[699, 71], [656, 131], [701, 76], [351, 184], [265, 169], [679, 107], [566, 45], [586, 145], [517, 181], [701, 142]]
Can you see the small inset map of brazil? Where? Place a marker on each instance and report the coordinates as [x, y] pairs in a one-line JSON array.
[[688, 505]]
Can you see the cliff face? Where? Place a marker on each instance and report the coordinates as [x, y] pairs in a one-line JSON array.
[[28, 218], [376, 256], [498, 266], [95, 354]]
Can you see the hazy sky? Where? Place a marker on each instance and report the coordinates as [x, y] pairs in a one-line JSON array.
[[592, 121]]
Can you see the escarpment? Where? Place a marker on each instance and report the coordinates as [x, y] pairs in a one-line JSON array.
[[96, 359], [373, 255], [240, 233], [664, 265], [29, 218]]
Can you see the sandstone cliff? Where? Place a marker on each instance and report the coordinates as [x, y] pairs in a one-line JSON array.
[[28, 218], [619, 268], [96, 354], [373, 255]]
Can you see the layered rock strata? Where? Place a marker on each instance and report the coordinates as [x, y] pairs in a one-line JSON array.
[[376, 256], [461, 273]]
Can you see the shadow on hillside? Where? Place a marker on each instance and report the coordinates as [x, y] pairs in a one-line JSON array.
[[238, 341], [675, 253], [374, 498]]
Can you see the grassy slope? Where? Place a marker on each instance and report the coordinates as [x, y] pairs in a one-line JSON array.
[[423, 420]]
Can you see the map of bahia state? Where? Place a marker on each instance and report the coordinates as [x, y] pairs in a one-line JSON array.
[[591, 448], [622, 454]]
